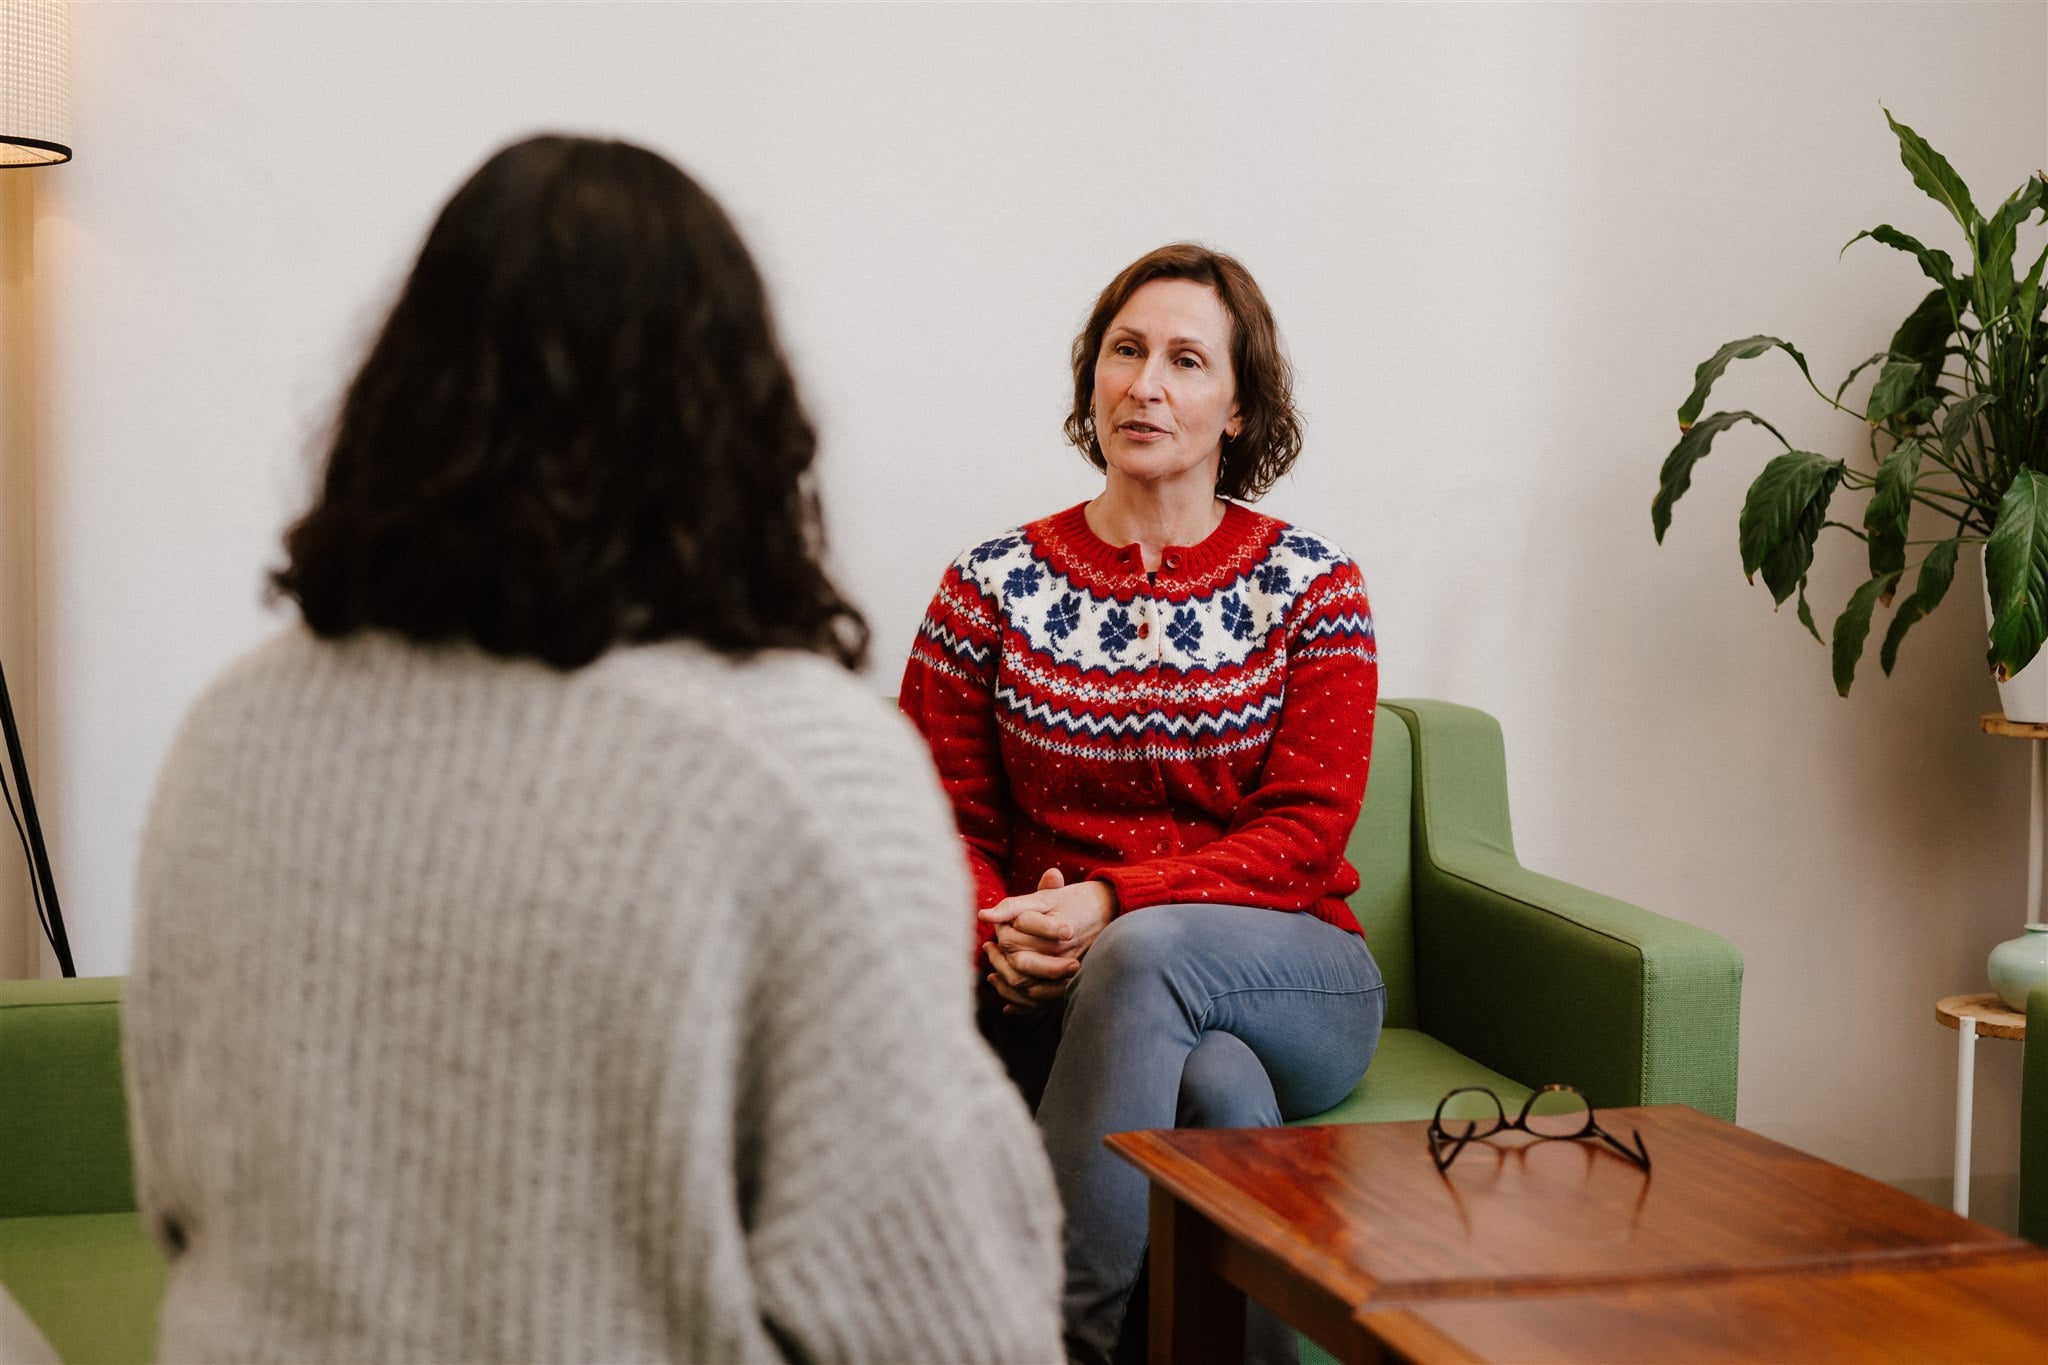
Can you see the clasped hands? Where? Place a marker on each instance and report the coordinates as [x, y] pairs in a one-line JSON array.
[[1040, 938]]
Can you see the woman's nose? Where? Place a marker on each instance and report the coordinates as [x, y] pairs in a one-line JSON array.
[[1150, 380]]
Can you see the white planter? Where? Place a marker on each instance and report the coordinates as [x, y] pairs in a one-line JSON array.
[[2025, 696]]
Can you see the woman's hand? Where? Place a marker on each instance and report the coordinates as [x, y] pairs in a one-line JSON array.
[[1040, 938]]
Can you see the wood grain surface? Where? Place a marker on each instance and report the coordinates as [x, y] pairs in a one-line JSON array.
[[1995, 723], [1995, 1018], [1360, 1210], [1321, 1224], [1988, 1309]]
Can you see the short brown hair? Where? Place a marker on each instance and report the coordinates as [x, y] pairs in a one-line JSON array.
[[1271, 436]]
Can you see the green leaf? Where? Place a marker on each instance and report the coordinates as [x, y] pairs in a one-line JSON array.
[[1932, 173], [2019, 206], [1920, 411], [1957, 424], [1991, 288], [2016, 567], [1861, 366], [1924, 336], [1938, 265], [1852, 628], [1710, 370], [1996, 242], [2030, 292], [1937, 571], [1891, 507], [1894, 390], [1782, 516], [1676, 475], [1806, 615]]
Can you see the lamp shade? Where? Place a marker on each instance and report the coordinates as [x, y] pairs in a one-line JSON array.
[[35, 83]]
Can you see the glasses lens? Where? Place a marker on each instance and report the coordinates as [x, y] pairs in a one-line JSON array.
[[1471, 1113], [1558, 1112]]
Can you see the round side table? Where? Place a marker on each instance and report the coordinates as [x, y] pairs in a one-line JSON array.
[[1986, 1014], [1972, 1016]]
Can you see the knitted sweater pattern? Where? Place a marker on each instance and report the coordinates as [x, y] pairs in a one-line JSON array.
[[1198, 734], [485, 1012]]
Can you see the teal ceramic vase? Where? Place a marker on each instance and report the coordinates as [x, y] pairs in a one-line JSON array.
[[2020, 964]]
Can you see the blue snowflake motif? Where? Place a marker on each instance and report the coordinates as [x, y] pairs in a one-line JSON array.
[[1184, 630], [1272, 578], [1315, 552], [1022, 582], [994, 549], [1116, 631], [1064, 617], [1237, 617]]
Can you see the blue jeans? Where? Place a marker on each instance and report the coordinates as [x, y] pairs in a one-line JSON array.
[[1210, 1016]]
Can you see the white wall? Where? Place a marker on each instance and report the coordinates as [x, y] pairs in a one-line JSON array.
[[1498, 240]]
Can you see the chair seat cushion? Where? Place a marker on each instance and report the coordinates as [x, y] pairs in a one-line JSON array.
[[1408, 1075], [90, 1281]]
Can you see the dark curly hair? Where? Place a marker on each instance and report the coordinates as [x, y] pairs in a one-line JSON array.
[[1271, 437], [576, 430]]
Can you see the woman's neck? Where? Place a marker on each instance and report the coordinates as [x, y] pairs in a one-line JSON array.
[[1153, 517]]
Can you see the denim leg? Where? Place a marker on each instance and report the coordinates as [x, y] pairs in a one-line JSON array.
[[1303, 997], [1222, 1085]]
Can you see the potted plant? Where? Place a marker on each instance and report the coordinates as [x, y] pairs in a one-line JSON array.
[[1958, 425]]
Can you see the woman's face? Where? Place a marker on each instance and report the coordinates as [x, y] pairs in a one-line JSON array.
[[1165, 395]]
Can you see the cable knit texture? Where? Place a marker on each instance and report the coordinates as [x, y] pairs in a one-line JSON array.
[[484, 1012], [1198, 734]]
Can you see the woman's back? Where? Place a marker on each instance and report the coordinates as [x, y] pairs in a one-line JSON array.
[[486, 1011]]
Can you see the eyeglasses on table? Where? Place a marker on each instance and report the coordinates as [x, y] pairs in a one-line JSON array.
[[1553, 1113]]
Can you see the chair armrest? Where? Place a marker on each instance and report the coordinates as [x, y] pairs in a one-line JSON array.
[[63, 1116], [2034, 1121], [1541, 980]]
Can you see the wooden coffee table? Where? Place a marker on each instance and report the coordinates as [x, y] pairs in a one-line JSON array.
[[1323, 1224]]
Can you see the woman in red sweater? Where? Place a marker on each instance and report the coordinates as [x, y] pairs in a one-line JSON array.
[[1153, 715]]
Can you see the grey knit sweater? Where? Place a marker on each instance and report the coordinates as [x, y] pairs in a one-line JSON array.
[[484, 1012]]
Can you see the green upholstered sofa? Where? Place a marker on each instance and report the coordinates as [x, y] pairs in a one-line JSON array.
[[1495, 975]]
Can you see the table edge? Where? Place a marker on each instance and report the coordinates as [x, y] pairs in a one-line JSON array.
[[1188, 1182]]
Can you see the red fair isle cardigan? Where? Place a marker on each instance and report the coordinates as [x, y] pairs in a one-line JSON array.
[[1198, 734]]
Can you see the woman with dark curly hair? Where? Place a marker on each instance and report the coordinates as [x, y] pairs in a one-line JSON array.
[[551, 952], [1153, 714]]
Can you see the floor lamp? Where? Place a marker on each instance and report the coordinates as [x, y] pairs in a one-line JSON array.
[[31, 830], [35, 105]]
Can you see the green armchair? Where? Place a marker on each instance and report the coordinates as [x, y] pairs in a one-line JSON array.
[[73, 1254], [1501, 977]]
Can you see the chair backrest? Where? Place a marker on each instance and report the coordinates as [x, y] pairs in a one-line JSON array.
[[1382, 850], [63, 1117]]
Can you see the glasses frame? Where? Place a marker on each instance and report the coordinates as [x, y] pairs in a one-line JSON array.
[[1445, 1145]]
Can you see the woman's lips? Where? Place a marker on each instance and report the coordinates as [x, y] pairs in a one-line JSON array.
[[1141, 431]]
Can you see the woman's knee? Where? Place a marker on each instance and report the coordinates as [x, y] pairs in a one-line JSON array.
[[1224, 1085], [1140, 943]]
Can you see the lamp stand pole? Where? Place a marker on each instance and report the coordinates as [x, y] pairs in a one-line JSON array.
[[38, 856]]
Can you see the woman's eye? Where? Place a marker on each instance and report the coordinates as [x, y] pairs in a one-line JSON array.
[[1124, 348], [1189, 362]]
